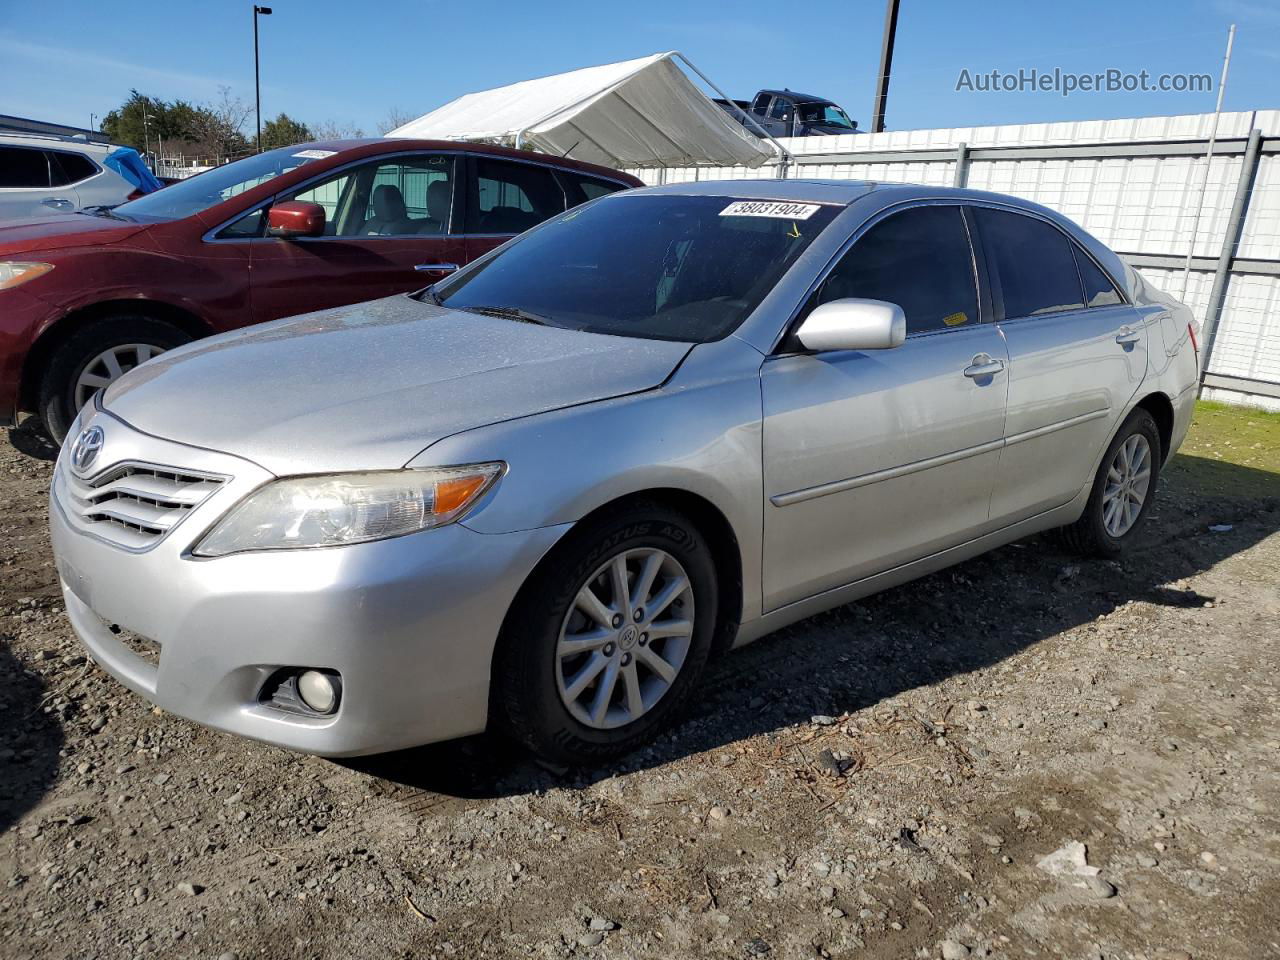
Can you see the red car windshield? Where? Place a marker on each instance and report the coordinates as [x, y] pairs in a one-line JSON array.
[[206, 189]]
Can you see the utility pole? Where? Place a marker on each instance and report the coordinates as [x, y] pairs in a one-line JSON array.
[[886, 64], [257, 87], [1208, 160]]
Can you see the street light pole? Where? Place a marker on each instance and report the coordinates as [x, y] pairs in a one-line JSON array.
[[886, 63], [257, 88]]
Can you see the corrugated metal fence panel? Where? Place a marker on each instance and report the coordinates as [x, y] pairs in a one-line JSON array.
[[1261, 238]]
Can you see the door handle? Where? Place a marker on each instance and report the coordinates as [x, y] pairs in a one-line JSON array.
[[983, 365], [436, 267], [60, 203], [1126, 336]]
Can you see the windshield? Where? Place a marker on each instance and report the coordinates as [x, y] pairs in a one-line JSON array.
[[660, 266], [826, 114], [202, 191]]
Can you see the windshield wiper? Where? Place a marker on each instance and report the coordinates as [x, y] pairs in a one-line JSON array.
[[510, 313]]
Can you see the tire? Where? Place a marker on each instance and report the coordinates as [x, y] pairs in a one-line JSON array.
[[533, 700], [1091, 534], [58, 400]]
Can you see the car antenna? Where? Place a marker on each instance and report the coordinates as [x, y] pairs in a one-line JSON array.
[[569, 151]]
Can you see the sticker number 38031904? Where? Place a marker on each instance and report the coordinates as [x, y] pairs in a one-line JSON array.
[[770, 208]]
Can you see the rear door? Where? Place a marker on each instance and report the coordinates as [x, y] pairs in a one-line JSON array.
[[875, 458], [390, 228], [1077, 351], [507, 197]]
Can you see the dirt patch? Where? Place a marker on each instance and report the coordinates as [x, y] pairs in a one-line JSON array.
[[879, 781]]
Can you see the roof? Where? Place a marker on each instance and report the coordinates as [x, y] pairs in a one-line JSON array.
[[371, 146], [636, 113], [799, 191], [798, 97]]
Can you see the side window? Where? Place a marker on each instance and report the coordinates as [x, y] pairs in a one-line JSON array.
[[761, 103], [1099, 291], [67, 168], [1034, 263], [781, 109], [579, 188], [330, 194], [23, 167], [404, 196], [512, 197], [919, 259], [410, 195]]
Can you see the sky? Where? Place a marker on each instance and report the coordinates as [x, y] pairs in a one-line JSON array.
[[355, 63]]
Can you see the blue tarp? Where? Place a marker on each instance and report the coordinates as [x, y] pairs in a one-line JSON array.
[[126, 162]]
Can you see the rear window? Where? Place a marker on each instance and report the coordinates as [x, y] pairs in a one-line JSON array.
[[687, 268], [23, 167], [512, 197], [1034, 263]]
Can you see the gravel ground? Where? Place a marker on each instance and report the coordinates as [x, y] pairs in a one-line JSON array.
[[881, 781]]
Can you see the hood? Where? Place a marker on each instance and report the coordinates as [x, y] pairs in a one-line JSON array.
[[369, 386], [62, 232]]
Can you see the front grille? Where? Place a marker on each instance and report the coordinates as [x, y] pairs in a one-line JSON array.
[[135, 505]]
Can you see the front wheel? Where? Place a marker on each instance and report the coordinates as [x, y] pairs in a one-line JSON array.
[[606, 641], [91, 358], [1123, 489]]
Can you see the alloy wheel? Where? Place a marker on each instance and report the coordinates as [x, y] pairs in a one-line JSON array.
[[625, 638], [1125, 488], [110, 365]]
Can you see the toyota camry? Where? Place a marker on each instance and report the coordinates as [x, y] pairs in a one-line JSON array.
[[539, 495]]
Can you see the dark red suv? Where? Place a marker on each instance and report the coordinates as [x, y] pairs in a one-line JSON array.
[[85, 297]]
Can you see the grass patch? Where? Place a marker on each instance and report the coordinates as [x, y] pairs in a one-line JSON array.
[[1230, 451]]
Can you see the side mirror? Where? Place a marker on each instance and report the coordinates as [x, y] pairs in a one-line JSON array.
[[853, 325], [295, 218]]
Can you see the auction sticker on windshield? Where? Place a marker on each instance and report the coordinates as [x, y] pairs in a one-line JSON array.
[[770, 208], [315, 154]]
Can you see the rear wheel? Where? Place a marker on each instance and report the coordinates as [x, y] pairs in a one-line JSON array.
[[608, 638], [1122, 491], [91, 358]]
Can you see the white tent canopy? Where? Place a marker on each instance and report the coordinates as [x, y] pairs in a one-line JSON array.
[[638, 113]]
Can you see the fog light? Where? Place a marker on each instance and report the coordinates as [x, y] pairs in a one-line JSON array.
[[318, 691]]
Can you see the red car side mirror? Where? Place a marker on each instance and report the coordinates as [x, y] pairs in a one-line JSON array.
[[295, 218]]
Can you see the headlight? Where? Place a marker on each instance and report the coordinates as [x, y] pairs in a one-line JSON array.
[[342, 508], [14, 273]]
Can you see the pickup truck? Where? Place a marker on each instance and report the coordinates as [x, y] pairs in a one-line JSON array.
[[785, 113]]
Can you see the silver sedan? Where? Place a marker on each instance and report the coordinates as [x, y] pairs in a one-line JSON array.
[[541, 494]]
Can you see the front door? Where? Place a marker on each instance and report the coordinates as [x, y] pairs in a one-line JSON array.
[[389, 229], [1077, 352], [875, 458]]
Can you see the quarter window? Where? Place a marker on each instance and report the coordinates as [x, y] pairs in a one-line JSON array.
[[1099, 291], [1033, 261], [23, 167], [65, 168], [579, 188], [919, 259]]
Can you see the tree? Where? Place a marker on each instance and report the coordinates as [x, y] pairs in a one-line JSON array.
[[333, 130], [396, 117], [284, 131], [212, 130]]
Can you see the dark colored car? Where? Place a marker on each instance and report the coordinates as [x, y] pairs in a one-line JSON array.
[[86, 297], [785, 113]]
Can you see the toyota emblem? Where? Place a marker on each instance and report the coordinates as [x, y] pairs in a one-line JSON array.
[[86, 448]]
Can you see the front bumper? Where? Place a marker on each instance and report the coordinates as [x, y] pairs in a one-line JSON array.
[[409, 623]]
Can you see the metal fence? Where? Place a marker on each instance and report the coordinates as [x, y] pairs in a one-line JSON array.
[[1135, 185]]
